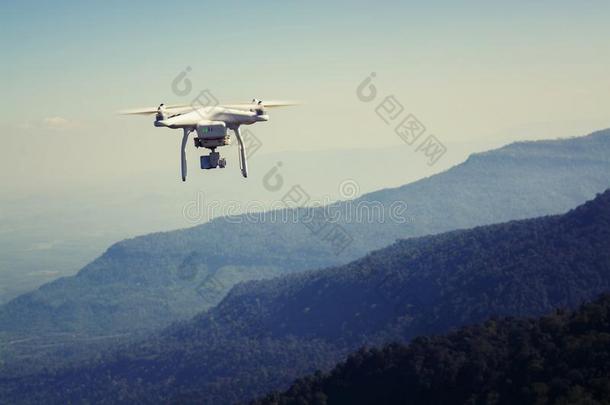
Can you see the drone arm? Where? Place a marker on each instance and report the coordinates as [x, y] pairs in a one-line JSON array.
[[185, 138], [243, 163]]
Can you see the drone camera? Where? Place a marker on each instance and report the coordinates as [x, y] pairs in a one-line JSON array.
[[212, 161]]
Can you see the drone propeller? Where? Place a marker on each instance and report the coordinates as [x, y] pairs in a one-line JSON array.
[[256, 104], [180, 108], [154, 110]]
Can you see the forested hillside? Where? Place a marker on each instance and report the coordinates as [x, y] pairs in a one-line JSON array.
[[265, 334], [150, 281], [562, 358]]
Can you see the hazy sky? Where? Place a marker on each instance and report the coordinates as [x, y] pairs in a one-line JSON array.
[[471, 72]]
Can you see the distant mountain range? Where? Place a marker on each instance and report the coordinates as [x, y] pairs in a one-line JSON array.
[[42, 242], [562, 358], [151, 281], [265, 334]]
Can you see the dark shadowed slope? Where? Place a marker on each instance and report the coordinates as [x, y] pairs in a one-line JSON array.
[[563, 358], [150, 281], [264, 334]]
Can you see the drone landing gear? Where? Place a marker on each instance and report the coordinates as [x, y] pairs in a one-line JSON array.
[[243, 163], [213, 160], [185, 138]]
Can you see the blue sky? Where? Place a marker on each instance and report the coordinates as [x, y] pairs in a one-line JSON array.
[[472, 71]]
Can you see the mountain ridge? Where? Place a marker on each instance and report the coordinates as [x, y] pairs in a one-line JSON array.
[[559, 358], [150, 281], [264, 334]]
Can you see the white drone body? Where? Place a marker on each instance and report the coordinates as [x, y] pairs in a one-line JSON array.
[[211, 124]]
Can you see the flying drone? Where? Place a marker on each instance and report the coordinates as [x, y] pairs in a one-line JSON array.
[[211, 124]]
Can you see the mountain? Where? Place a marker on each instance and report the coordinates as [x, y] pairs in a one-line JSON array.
[[150, 281], [266, 333], [563, 358], [77, 222]]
